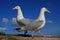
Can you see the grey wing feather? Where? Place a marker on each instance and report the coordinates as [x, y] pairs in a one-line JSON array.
[[34, 25], [23, 22], [26, 21], [37, 23]]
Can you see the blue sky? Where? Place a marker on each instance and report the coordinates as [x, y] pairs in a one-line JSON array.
[[31, 10]]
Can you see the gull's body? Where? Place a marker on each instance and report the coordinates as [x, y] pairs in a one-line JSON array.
[[37, 24], [20, 18], [34, 26], [21, 21]]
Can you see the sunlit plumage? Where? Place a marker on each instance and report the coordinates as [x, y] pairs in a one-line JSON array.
[[33, 26]]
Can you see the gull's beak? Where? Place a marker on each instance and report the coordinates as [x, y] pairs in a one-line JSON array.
[[48, 11], [13, 8]]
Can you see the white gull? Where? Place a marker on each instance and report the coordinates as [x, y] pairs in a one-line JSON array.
[[33, 26]]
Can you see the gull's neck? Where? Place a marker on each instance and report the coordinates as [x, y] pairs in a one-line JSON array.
[[20, 15], [41, 16]]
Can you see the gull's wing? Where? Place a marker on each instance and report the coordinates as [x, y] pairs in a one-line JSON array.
[[34, 25], [23, 22]]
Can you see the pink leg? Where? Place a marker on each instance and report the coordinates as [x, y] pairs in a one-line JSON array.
[[33, 34]]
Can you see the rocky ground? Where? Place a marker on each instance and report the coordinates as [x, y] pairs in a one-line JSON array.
[[28, 37]]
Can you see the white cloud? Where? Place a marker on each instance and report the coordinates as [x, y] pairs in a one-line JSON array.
[[2, 28], [5, 20], [50, 21], [14, 21]]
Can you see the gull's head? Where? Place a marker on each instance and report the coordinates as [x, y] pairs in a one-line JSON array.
[[45, 10], [16, 8]]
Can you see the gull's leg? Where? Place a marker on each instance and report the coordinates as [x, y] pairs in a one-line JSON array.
[[33, 34], [25, 32], [40, 33]]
